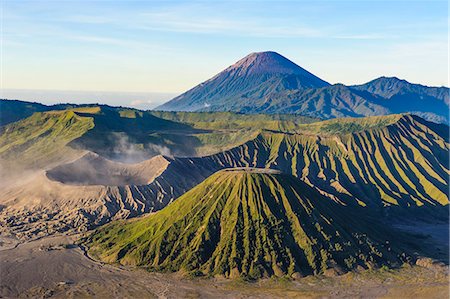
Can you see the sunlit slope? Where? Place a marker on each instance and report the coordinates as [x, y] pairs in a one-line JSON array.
[[130, 135], [230, 120], [380, 161], [403, 163], [42, 138], [252, 224], [245, 84]]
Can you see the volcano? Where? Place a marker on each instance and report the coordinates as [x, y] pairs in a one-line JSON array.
[[253, 77], [250, 223]]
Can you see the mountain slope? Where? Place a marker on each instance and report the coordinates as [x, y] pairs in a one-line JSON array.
[[250, 79], [12, 110], [15, 110], [250, 223], [42, 139], [401, 96], [394, 166], [327, 102], [267, 82], [387, 87], [389, 164]]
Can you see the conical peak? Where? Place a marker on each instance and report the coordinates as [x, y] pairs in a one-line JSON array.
[[229, 223], [266, 62]]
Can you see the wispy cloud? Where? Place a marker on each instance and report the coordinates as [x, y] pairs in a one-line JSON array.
[[173, 22], [141, 102], [170, 45], [373, 36], [88, 19]]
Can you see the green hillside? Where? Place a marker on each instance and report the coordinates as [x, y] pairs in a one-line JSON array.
[[15, 110], [342, 126], [386, 164], [128, 134], [230, 120], [395, 160], [41, 138], [250, 223]]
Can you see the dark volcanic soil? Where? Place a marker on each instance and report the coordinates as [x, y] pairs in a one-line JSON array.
[[93, 169], [54, 267]]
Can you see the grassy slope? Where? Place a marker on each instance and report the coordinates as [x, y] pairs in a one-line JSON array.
[[247, 224], [405, 163], [119, 132], [234, 120], [401, 161], [349, 125], [41, 138], [227, 129], [14, 110]]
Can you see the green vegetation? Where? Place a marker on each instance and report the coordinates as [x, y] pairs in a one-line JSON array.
[[41, 138], [130, 134], [397, 168], [248, 224], [230, 120], [226, 130], [377, 162], [343, 126]]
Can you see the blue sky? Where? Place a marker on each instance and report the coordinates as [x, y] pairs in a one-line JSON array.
[[170, 46]]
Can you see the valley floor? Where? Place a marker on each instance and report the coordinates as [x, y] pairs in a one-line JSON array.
[[54, 267]]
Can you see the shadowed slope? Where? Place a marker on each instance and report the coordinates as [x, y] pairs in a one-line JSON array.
[[248, 223], [325, 102], [399, 96]]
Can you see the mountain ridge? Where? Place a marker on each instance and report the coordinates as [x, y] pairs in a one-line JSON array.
[[392, 165], [254, 85]]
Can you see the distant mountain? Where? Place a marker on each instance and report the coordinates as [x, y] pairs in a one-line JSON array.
[[267, 82], [251, 78], [400, 96], [250, 223], [388, 87], [325, 102]]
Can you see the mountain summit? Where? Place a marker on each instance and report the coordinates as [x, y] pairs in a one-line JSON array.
[[267, 82], [263, 63], [250, 79]]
